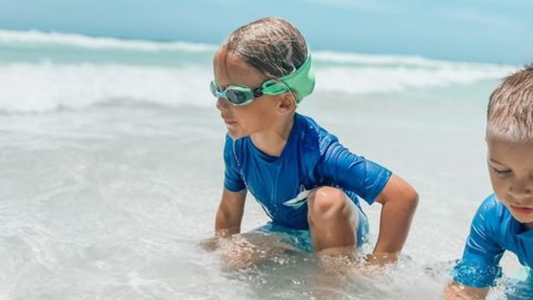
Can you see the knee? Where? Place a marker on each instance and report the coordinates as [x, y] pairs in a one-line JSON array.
[[328, 202]]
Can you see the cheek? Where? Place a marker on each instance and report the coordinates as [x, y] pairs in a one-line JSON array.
[[499, 186], [249, 116], [246, 122], [256, 115], [242, 116]]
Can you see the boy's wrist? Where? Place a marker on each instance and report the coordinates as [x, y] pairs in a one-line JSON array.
[[226, 232], [213, 243], [381, 259]]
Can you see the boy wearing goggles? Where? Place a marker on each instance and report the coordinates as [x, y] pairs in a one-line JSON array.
[[504, 221], [305, 180]]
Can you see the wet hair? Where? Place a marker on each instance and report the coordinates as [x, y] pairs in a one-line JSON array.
[[510, 110], [271, 45]]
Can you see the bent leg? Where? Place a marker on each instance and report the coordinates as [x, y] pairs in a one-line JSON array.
[[333, 220]]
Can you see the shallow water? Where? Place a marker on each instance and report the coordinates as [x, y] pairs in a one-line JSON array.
[[107, 195], [111, 202]]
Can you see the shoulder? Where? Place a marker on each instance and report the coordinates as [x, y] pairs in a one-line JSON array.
[[233, 149], [492, 210], [315, 134], [229, 144], [229, 148], [232, 145], [492, 216]]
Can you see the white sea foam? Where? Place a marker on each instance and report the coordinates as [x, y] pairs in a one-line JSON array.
[[40, 81], [101, 43], [396, 60], [339, 57], [47, 86], [368, 80]]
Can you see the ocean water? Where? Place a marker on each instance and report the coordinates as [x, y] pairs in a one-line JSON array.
[[111, 169]]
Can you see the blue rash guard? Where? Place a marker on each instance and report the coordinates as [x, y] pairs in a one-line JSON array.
[[311, 158], [493, 231]]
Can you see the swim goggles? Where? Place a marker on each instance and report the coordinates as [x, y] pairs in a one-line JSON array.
[[301, 81]]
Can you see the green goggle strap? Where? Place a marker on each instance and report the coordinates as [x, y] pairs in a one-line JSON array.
[[301, 81]]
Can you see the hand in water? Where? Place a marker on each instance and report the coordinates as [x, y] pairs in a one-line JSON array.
[[457, 292], [240, 253], [376, 264], [381, 259], [244, 250]]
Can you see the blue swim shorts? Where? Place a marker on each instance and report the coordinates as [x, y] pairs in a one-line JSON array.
[[301, 239]]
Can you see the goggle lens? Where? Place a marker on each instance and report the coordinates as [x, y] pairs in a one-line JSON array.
[[214, 89], [235, 94], [236, 97]]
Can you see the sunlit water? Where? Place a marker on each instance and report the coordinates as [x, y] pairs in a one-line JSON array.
[[111, 171]]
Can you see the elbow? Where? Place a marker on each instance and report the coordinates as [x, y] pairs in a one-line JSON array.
[[401, 193], [412, 198]]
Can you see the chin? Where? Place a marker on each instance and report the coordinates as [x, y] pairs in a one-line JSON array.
[[235, 134], [521, 218], [238, 132], [525, 221]]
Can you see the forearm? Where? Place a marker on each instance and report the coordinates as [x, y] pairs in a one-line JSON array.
[[396, 217], [227, 224], [229, 213], [456, 291]]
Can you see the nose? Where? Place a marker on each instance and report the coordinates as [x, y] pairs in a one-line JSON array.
[[222, 104], [521, 192]]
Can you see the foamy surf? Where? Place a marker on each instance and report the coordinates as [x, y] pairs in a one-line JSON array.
[[46, 86], [34, 37], [78, 71]]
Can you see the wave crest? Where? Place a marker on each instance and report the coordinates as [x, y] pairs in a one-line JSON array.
[[34, 37], [68, 76]]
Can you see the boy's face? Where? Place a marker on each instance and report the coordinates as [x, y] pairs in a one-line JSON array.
[[245, 120], [511, 173]]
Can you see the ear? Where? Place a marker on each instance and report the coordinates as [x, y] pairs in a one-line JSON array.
[[286, 103]]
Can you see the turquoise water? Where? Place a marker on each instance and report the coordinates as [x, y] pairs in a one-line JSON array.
[[111, 164]]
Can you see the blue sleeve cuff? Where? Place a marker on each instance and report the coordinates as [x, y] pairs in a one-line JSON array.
[[233, 186], [381, 178], [476, 273]]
